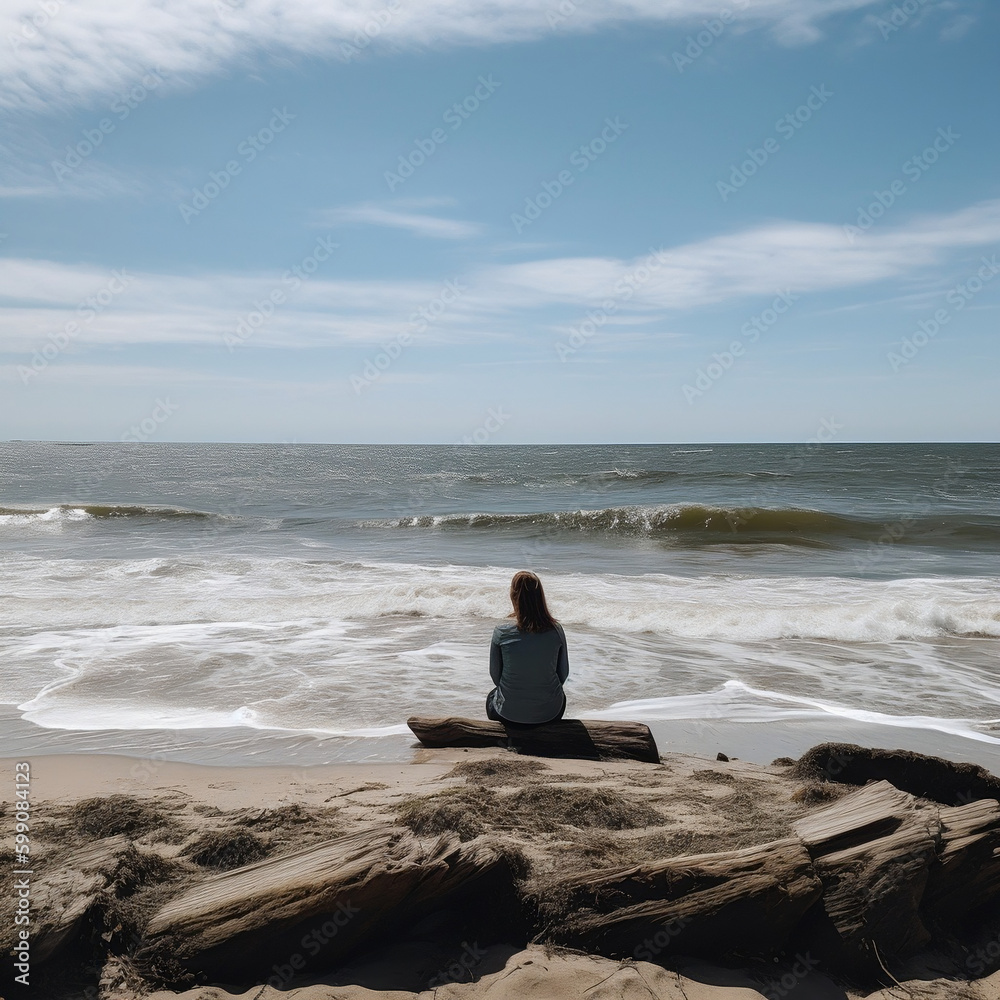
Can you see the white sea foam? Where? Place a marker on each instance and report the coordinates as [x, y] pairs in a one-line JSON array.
[[163, 591], [735, 701], [349, 649], [52, 517]]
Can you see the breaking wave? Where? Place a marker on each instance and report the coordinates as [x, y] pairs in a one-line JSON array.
[[68, 513], [704, 524]]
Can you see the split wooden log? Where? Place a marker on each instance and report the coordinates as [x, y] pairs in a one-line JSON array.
[[62, 897], [968, 874], [313, 907], [745, 902], [568, 738], [873, 849]]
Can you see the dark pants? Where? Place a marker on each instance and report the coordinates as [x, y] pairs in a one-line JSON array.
[[492, 713]]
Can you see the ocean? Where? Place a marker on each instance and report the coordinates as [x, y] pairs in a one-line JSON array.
[[265, 603]]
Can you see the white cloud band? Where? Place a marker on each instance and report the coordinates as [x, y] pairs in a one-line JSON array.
[[39, 298], [70, 52]]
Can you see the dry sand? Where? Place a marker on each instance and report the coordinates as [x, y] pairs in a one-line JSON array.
[[700, 805]]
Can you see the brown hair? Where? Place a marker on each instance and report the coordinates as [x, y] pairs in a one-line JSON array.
[[528, 598]]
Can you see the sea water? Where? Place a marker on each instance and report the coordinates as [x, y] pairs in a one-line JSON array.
[[220, 595]]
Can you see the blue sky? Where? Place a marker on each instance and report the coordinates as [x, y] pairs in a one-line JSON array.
[[269, 220]]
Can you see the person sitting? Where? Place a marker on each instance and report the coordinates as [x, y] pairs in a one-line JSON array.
[[528, 660]]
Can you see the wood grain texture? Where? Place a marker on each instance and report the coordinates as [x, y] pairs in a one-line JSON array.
[[568, 738], [967, 875], [747, 901], [873, 850], [329, 898]]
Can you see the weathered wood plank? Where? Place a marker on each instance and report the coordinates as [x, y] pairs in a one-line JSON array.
[[873, 849], [747, 901], [968, 873], [568, 738], [339, 896], [61, 898], [862, 816]]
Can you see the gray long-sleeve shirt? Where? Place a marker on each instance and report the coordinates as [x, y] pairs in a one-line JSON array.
[[529, 669]]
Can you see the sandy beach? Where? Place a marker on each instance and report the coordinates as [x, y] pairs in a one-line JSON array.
[[189, 822]]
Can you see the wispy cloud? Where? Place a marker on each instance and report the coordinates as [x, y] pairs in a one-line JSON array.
[[70, 373], [84, 49], [26, 191], [433, 226], [38, 298], [30, 167], [93, 182], [958, 28], [882, 23], [804, 256]]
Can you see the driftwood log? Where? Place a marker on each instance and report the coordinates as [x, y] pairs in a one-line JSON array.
[[878, 864], [569, 738], [873, 850], [711, 904], [62, 899], [319, 904], [967, 876]]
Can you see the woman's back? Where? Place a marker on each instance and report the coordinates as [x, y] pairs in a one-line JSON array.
[[529, 669]]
